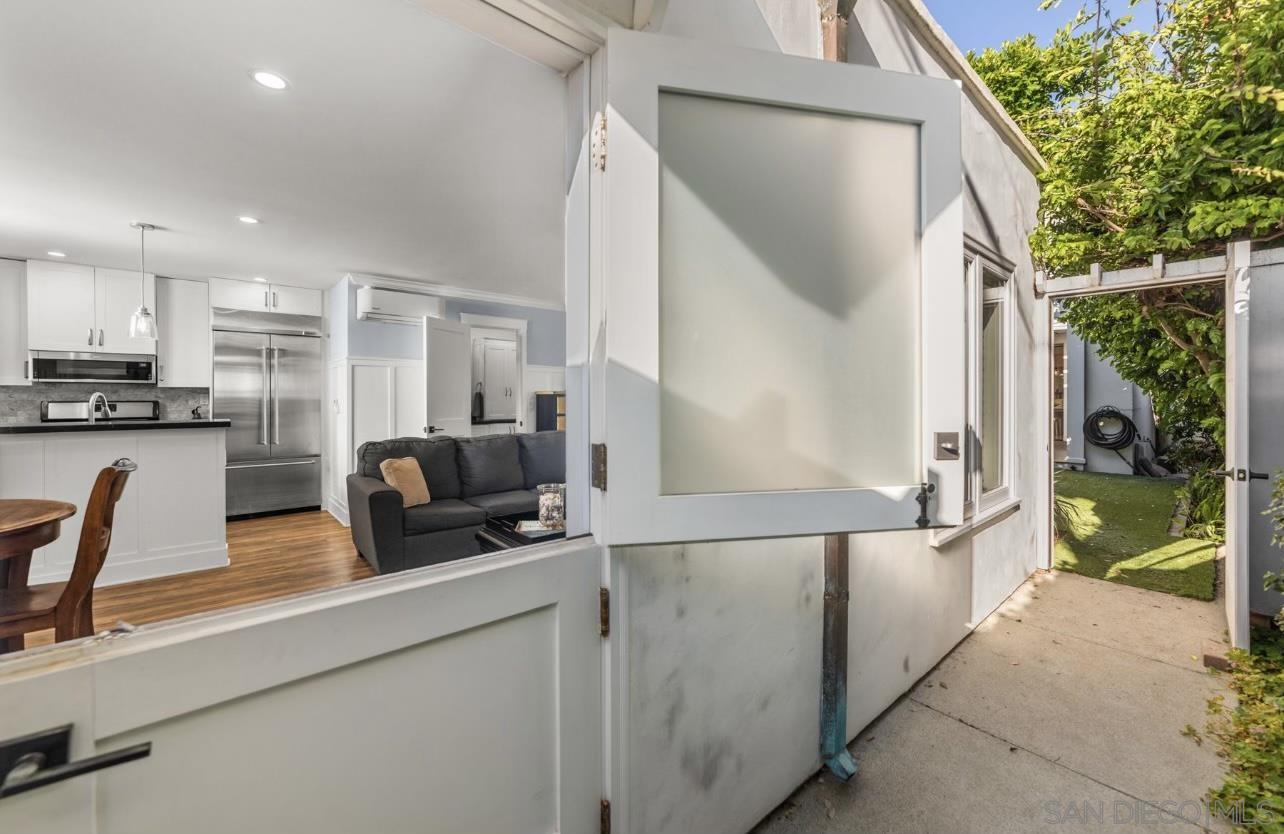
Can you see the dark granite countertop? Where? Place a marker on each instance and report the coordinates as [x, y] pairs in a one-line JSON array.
[[111, 425]]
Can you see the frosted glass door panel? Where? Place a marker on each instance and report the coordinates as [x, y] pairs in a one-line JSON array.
[[789, 329]]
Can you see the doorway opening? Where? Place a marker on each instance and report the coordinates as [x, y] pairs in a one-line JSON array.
[[1138, 435]]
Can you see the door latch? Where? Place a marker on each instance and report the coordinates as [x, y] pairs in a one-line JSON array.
[[1241, 474], [946, 444], [42, 758]]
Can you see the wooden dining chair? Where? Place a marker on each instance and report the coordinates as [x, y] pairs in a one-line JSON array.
[[68, 607]]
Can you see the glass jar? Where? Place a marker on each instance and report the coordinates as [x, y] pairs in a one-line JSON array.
[[552, 505]]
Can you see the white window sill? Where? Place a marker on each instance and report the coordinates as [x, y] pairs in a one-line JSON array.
[[987, 518]]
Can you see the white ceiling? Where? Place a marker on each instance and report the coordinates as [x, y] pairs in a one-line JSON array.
[[405, 146]]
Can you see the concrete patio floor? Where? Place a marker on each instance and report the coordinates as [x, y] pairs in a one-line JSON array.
[[1067, 702]]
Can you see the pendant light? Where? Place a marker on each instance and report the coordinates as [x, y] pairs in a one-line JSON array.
[[142, 324]]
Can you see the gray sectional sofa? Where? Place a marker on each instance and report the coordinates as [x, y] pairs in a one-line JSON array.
[[468, 479]]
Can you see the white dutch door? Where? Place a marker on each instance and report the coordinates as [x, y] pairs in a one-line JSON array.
[[448, 365], [783, 313], [458, 699]]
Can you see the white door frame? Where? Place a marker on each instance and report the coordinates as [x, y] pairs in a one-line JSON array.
[[510, 326], [1232, 269]]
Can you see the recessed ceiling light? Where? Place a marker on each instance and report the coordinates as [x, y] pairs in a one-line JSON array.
[[260, 279], [269, 79], [245, 218], [54, 254]]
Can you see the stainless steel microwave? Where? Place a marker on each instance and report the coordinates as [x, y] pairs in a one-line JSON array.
[[60, 366]]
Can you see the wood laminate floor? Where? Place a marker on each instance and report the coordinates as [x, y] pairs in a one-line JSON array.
[[270, 558]]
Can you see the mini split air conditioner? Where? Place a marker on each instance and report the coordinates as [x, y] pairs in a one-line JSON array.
[[375, 304]]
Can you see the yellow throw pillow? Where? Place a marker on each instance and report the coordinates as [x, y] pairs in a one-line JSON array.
[[405, 476]]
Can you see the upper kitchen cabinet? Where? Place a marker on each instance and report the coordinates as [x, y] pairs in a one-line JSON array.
[[60, 307], [261, 297], [296, 301], [117, 294], [183, 356], [14, 369], [80, 308]]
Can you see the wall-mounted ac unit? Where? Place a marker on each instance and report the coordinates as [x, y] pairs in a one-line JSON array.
[[375, 304]]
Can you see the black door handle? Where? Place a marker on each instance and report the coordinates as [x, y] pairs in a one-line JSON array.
[[431, 429], [1258, 476], [1224, 473], [42, 758]]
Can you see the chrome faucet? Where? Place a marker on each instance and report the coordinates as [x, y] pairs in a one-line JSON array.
[[93, 400]]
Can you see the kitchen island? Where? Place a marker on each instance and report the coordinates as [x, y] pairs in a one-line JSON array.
[[170, 518]]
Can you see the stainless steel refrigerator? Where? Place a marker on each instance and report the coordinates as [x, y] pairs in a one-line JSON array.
[[268, 380]]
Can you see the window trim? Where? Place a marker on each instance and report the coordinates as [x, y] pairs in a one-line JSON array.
[[980, 505]]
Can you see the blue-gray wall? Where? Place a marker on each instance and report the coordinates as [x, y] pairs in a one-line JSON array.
[[1265, 417], [545, 329]]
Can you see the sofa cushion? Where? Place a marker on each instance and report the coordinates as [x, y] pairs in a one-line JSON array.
[[446, 514], [506, 503], [543, 457], [405, 476], [488, 464], [436, 456]]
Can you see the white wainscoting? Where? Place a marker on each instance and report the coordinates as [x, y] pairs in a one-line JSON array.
[[169, 520]]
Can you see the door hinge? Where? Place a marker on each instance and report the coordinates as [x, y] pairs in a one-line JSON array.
[[597, 143], [604, 825], [598, 466], [604, 611]]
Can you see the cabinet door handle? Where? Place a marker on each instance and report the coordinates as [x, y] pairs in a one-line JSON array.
[[25, 373], [265, 299], [91, 337], [100, 337], [274, 304], [160, 369]]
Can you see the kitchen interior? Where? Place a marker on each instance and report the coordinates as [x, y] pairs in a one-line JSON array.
[[235, 322]]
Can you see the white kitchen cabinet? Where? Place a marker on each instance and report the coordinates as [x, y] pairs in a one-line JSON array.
[[499, 363], [85, 309], [295, 300], [117, 294], [238, 295], [60, 307], [260, 297], [183, 324], [14, 369]]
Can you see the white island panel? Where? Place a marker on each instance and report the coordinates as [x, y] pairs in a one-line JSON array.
[[169, 520]]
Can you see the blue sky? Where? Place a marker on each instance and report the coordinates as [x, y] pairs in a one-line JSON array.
[[976, 24]]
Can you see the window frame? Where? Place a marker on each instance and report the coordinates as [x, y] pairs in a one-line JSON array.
[[978, 502]]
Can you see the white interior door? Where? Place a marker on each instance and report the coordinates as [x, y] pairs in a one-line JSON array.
[[1239, 471], [783, 245], [463, 698], [448, 366]]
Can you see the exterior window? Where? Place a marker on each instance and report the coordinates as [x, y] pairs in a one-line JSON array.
[[988, 367]]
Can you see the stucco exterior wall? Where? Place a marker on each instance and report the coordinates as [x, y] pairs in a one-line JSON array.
[[719, 644]]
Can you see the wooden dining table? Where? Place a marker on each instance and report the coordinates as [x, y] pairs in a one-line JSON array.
[[25, 524]]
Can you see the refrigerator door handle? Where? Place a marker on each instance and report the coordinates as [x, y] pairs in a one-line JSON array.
[[263, 416], [276, 403]]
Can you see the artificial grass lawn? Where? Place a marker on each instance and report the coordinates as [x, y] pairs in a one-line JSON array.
[[1121, 534]]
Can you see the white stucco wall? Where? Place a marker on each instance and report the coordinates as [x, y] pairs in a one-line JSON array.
[[720, 642]]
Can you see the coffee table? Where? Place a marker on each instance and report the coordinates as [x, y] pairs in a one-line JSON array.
[[500, 533]]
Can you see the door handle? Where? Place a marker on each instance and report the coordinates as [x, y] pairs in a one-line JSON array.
[[263, 401], [91, 337], [42, 758], [431, 429], [274, 304], [100, 337], [1258, 476], [276, 400]]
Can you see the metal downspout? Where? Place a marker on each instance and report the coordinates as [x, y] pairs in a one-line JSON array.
[[833, 659]]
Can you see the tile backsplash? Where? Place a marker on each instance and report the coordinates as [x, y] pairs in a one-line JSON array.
[[21, 403]]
